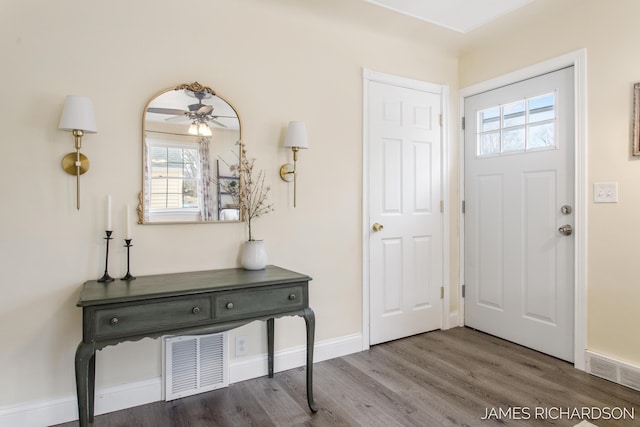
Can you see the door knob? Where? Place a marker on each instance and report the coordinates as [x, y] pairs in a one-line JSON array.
[[566, 230], [377, 227]]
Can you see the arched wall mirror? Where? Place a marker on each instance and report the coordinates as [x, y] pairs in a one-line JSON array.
[[190, 149]]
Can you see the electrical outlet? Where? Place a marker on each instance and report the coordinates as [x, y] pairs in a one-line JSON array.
[[605, 192], [241, 345]]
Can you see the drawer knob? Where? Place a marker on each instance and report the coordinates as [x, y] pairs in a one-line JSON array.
[[292, 297], [195, 310], [229, 305], [114, 321]]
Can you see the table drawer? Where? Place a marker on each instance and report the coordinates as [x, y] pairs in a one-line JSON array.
[[128, 320], [259, 302]]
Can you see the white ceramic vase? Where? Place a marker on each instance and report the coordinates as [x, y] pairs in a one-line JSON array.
[[253, 257]]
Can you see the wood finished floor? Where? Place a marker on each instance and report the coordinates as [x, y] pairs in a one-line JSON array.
[[442, 378]]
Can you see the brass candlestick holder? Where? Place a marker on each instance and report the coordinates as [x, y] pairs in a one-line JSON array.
[[105, 277], [128, 245]]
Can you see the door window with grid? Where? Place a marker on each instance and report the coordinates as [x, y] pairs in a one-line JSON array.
[[521, 126]]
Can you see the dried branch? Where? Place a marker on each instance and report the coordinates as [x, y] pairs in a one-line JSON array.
[[251, 194]]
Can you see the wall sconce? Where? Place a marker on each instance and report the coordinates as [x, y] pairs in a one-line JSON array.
[[77, 117], [296, 139]]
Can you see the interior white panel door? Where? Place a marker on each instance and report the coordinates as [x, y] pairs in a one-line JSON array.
[[406, 253], [519, 174]]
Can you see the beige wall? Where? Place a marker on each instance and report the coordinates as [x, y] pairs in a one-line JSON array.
[[275, 61], [609, 31]]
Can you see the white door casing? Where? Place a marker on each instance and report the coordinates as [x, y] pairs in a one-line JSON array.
[[405, 257], [519, 269]]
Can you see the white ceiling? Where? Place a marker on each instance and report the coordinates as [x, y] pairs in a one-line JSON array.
[[459, 15]]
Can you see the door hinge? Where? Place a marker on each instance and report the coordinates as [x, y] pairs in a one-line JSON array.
[[441, 206], [441, 120], [462, 123], [464, 207], [442, 292], [463, 290]]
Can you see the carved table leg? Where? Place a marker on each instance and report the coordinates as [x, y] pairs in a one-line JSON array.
[[270, 331], [92, 385], [85, 381], [310, 320]]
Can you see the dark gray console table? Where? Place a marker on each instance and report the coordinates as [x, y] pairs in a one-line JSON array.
[[186, 303]]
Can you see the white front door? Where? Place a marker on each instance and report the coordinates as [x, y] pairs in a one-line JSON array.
[[519, 208], [405, 229]]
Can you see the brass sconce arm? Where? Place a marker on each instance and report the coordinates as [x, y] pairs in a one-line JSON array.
[[287, 171], [76, 163], [78, 134]]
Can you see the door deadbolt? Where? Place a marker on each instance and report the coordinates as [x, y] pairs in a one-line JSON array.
[[566, 209], [566, 230]]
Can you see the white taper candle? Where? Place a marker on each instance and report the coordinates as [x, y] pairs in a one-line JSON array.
[[109, 213], [127, 223]]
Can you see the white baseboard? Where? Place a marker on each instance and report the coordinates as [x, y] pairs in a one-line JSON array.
[[453, 320], [254, 367], [62, 410], [65, 409], [42, 413]]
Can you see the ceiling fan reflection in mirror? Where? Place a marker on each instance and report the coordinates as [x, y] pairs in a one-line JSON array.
[[199, 115]]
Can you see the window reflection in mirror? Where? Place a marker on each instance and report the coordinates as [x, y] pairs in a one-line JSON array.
[[190, 140]]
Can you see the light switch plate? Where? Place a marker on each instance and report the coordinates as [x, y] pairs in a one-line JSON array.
[[605, 192]]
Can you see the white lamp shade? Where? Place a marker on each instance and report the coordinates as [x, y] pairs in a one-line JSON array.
[[77, 114], [296, 135]]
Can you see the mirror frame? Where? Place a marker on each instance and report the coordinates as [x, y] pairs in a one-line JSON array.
[[194, 87], [636, 120]]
